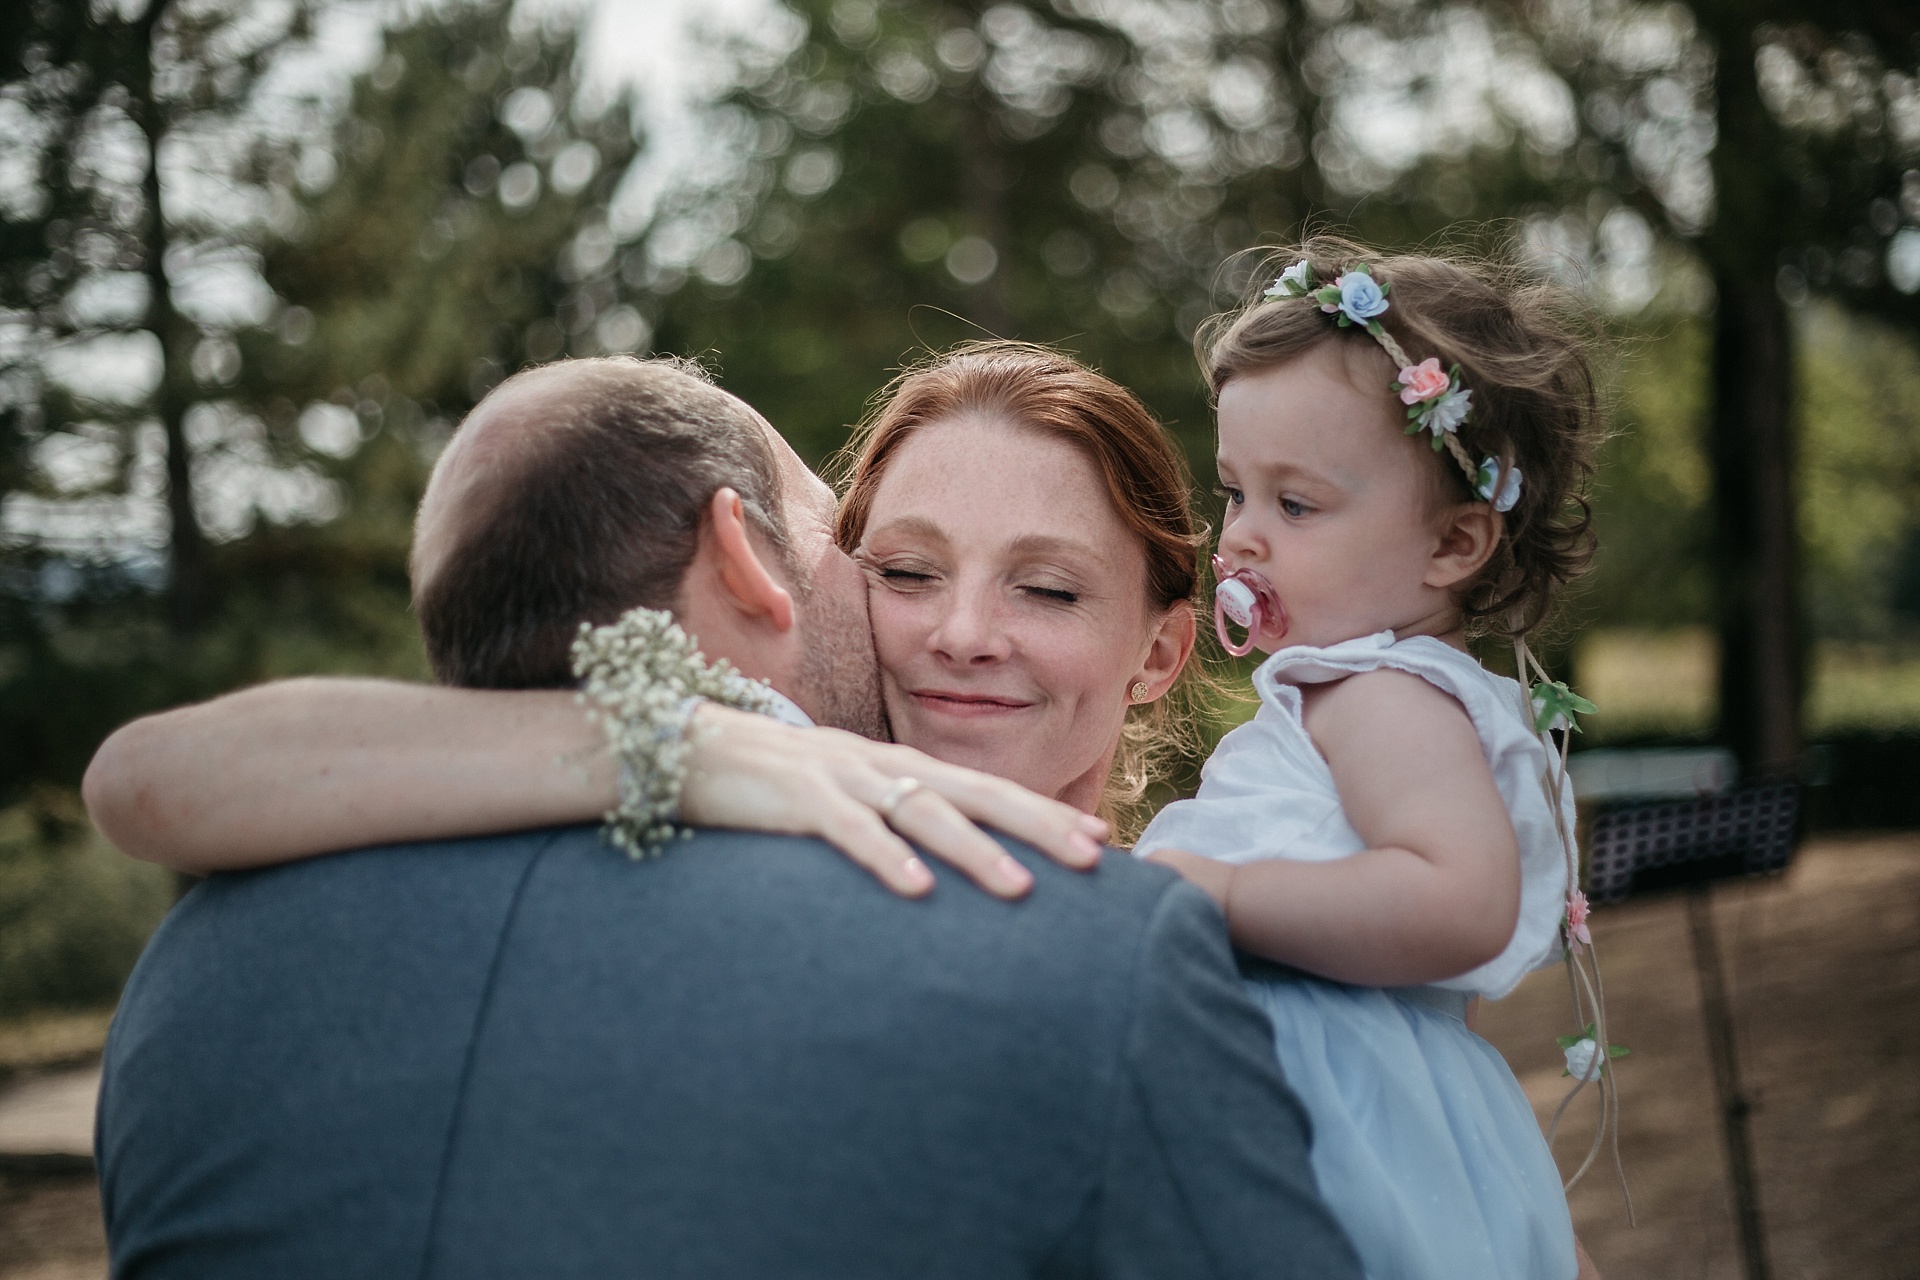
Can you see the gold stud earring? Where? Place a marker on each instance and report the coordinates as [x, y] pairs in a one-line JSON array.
[[1139, 691]]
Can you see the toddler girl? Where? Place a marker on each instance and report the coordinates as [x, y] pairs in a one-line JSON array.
[[1402, 446]]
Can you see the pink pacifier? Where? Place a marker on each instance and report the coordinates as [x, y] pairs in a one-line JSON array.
[[1249, 601]]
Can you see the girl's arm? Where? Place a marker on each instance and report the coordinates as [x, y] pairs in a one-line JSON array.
[[303, 767], [1435, 894]]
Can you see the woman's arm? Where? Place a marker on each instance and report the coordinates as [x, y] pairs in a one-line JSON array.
[[303, 767], [300, 767], [1437, 891]]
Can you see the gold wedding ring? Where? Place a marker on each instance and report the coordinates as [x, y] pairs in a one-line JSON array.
[[900, 790]]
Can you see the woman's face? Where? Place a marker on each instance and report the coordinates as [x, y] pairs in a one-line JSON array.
[[1009, 606]]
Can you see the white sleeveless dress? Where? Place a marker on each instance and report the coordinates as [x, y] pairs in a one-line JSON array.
[[1424, 1145]]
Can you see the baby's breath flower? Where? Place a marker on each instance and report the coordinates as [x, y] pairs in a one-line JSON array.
[[641, 678]]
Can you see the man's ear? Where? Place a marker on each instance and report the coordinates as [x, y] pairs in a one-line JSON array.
[[1469, 535], [1167, 655], [749, 586]]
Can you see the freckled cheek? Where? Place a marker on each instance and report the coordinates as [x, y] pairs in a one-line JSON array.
[[1073, 662], [900, 626]]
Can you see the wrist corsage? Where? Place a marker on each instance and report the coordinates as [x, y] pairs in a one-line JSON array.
[[641, 678]]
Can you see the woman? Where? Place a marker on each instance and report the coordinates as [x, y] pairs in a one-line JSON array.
[[1032, 557]]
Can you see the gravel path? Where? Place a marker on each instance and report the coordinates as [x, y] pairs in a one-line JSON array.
[[1823, 970]]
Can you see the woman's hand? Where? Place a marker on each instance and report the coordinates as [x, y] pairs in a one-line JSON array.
[[298, 768], [750, 771]]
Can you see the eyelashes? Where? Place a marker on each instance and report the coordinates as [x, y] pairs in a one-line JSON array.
[[1293, 508], [903, 579]]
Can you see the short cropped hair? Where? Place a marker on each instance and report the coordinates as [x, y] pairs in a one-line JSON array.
[[603, 516]]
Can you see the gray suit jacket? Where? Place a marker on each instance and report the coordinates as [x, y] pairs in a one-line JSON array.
[[529, 1057]]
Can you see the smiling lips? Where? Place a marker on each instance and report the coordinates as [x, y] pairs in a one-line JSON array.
[[968, 705]]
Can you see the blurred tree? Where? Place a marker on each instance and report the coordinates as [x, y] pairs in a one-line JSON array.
[[1774, 144], [1813, 129], [449, 227], [393, 255], [119, 128], [123, 126], [915, 173], [1790, 186]]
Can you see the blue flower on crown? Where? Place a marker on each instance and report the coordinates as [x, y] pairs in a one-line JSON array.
[[1498, 483], [1356, 297]]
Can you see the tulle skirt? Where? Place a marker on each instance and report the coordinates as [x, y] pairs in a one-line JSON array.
[[1424, 1145]]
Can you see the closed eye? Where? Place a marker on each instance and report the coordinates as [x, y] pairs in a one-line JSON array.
[[1056, 594], [901, 579]]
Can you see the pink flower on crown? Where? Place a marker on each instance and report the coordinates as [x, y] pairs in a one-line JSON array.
[[1577, 918], [1423, 381]]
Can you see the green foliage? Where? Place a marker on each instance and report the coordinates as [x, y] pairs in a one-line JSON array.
[[916, 174], [73, 913], [1652, 497], [1859, 479], [1859, 475]]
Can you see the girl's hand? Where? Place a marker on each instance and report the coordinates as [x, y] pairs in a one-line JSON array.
[[752, 772], [1210, 874]]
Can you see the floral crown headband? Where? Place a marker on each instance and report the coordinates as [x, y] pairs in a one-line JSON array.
[[1435, 400]]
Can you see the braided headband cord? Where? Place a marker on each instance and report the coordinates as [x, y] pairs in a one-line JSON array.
[[1436, 401], [1449, 438]]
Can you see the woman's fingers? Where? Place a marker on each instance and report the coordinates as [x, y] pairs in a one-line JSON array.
[[849, 792], [857, 831], [1060, 831], [923, 816]]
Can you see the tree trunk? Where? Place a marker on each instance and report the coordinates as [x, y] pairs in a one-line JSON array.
[[1751, 433], [1755, 543], [188, 579]]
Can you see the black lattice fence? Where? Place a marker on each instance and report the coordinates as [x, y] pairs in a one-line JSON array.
[[1639, 846]]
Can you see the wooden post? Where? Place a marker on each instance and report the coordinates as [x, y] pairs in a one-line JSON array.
[[1734, 1107]]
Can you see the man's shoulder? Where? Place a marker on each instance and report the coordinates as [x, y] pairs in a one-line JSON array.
[[794, 877], [1119, 897]]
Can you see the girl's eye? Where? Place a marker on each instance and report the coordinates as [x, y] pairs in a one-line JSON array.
[[1294, 509], [1059, 595], [1233, 496]]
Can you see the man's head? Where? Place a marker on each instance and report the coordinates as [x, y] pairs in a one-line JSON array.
[[582, 489]]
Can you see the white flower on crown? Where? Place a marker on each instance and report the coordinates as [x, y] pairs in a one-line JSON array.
[[1295, 282], [1449, 411]]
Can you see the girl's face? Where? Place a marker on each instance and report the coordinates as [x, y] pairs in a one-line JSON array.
[[1336, 506], [1009, 606]]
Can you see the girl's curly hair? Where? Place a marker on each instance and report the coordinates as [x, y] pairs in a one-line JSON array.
[[1524, 349]]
